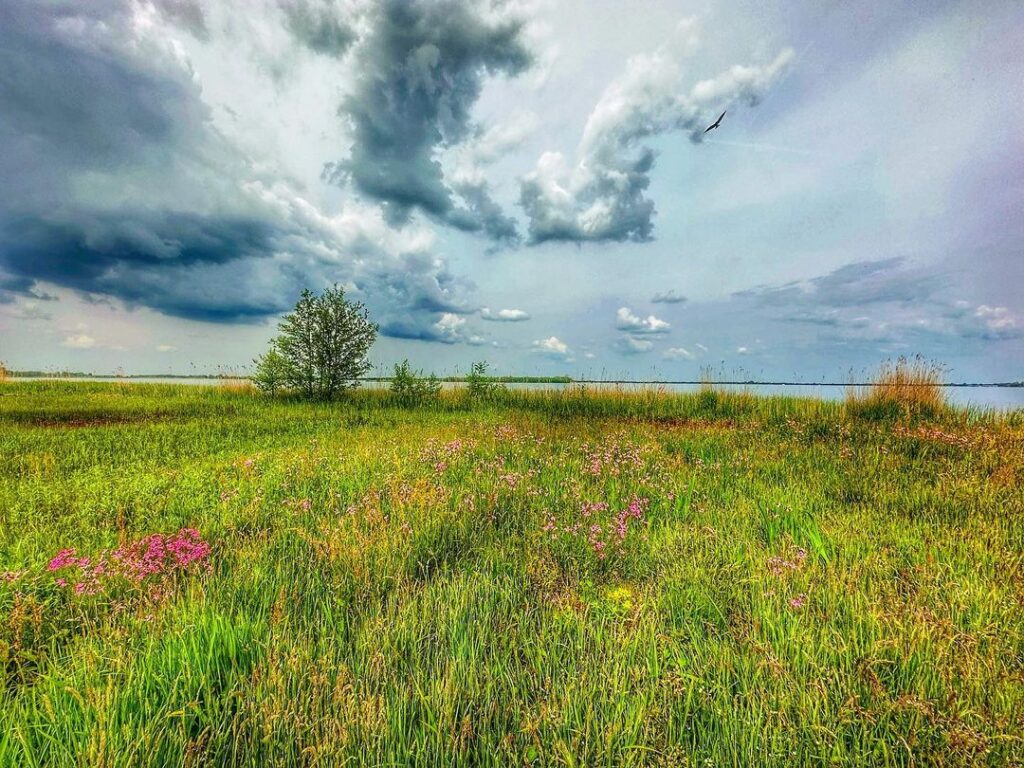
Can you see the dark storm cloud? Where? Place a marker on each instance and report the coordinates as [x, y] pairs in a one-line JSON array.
[[70, 99], [119, 187], [445, 328], [411, 330], [417, 281], [318, 25], [81, 100], [11, 287], [483, 213], [120, 254], [421, 70], [403, 329]]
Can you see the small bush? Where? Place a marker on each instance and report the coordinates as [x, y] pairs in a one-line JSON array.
[[906, 388], [271, 373], [410, 387], [4, 373], [479, 385]]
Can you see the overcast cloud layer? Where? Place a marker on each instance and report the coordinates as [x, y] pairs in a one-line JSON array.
[[523, 181]]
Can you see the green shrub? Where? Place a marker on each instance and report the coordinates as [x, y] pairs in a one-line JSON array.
[[479, 385], [410, 387], [271, 373]]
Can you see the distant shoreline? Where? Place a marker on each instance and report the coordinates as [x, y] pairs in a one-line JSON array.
[[512, 380]]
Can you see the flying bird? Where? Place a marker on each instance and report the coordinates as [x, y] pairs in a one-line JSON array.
[[715, 124]]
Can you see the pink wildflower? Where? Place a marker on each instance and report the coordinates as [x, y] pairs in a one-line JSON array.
[[63, 558], [156, 556]]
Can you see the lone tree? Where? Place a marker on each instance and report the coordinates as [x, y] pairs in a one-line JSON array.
[[321, 348]]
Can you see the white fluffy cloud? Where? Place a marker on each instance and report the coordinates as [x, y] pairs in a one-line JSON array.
[[997, 320], [626, 320], [602, 194], [452, 328], [553, 347], [504, 315]]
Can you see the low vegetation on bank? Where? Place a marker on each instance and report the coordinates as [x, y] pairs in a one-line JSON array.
[[492, 576]]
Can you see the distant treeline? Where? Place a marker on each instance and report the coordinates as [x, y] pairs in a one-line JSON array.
[[495, 379], [81, 375]]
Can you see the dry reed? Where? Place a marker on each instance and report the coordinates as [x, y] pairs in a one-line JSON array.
[[904, 387]]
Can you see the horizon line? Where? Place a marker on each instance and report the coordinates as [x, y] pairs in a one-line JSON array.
[[535, 379]]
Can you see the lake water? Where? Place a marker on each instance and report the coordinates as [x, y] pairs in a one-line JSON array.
[[981, 397]]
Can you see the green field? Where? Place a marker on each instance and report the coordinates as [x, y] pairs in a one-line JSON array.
[[535, 579]]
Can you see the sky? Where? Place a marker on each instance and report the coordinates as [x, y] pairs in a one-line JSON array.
[[525, 182]]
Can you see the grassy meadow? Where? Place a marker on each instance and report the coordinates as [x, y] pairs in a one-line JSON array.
[[547, 578]]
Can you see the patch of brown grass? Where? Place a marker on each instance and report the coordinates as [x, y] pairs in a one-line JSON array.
[[901, 388], [236, 385]]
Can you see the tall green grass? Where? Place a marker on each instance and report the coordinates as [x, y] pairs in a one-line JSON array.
[[808, 584]]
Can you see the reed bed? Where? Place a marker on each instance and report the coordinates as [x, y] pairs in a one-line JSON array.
[[901, 388]]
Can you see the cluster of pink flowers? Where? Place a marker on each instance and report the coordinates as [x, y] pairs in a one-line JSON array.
[[635, 510], [591, 508], [602, 537], [506, 433], [798, 602], [440, 455], [612, 457], [778, 565], [510, 435], [513, 480], [595, 539], [152, 558]]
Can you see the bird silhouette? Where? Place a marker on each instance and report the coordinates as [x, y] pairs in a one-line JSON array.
[[715, 124]]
